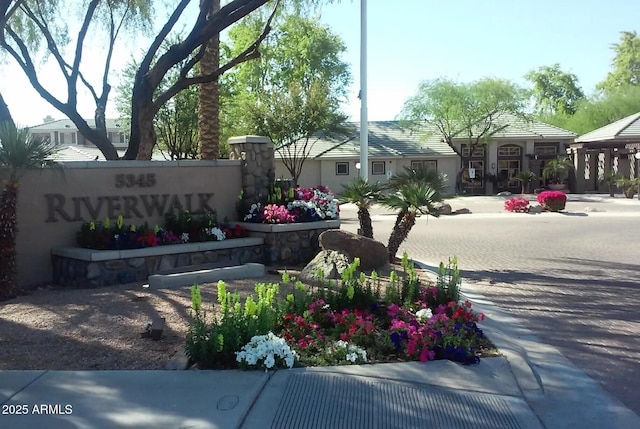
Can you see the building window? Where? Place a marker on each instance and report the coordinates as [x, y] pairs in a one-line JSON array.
[[478, 152], [428, 164], [61, 138], [73, 138], [546, 150], [509, 151], [508, 169], [378, 168], [342, 168], [475, 169]]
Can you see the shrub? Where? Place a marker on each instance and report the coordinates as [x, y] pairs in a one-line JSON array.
[[517, 205], [552, 201], [214, 343]]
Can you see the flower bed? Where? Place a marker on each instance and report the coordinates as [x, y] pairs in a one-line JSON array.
[[295, 205], [358, 321], [180, 228], [552, 201]]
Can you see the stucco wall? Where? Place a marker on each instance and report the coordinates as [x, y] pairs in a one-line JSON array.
[[323, 171], [53, 204]]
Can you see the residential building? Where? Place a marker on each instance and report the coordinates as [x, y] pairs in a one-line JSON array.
[[519, 145], [64, 132]]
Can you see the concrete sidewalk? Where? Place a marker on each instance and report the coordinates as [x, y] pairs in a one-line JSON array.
[[532, 386]]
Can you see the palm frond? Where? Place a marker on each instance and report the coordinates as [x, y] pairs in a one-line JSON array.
[[433, 178], [19, 150], [414, 197], [360, 192]]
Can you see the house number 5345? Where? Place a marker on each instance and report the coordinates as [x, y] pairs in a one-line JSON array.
[[131, 180]]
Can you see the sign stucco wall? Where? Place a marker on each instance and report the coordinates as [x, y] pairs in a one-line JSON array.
[[53, 204]]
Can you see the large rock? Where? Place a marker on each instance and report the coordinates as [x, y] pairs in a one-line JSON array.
[[372, 253], [443, 208], [331, 262]]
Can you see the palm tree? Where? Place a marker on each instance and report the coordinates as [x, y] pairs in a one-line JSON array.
[[208, 97], [410, 200], [363, 194], [557, 170], [432, 178], [18, 151], [525, 177]]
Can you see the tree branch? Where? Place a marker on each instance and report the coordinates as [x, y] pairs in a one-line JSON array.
[[253, 51]]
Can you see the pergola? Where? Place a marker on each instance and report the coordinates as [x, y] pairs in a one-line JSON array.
[[606, 149]]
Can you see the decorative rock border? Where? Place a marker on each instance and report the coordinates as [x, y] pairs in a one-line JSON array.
[[78, 267], [290, 244]]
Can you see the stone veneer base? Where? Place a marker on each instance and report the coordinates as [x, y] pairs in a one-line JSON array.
[[78, 267], [290, 244]]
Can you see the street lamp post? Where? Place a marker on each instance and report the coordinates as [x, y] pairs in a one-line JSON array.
[[637, 157]]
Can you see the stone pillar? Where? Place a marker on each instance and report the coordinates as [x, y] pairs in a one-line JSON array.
[[580, 169], [258, 166]]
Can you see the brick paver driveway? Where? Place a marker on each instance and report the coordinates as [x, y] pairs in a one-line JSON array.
[[570, 278]]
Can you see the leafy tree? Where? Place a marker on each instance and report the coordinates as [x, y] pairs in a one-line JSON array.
[[26, 21], [599, 110], [469, 113], [18, 151], [27, 24], [146, 101], [293, 91], [363, 194], [176, 123], [555, 91], [626, 63], [409, 200]]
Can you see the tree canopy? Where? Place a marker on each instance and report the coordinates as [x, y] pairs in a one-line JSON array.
[[555, 91], [293, 91], [626, 63], [469, 111], [31, 30]]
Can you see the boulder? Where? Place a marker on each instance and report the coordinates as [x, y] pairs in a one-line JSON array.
[[443, 208], [535, 209], [331, 262], [462, 211], [372, 253]]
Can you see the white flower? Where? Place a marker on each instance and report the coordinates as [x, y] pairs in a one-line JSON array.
[[266, 348], [424, 314], [217, 232], [184, 237], [353, 353]]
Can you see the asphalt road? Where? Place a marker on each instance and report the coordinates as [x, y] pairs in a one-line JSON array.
[[571, 278]]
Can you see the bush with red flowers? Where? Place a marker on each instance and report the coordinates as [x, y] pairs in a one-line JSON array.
[[517, 205], [552, 201]]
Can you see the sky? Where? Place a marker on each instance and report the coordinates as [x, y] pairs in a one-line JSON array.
[[415, 40]]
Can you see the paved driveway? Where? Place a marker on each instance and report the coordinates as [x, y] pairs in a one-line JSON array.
[[571, 278]]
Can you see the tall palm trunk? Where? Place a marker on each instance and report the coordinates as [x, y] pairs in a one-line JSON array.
[[8, 266], [209, 99], [400, 233], [366, 228]]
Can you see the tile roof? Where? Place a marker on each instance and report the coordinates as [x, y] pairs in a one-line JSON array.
[[67, 124], [622, 130], [391, 139], [80, 153]]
